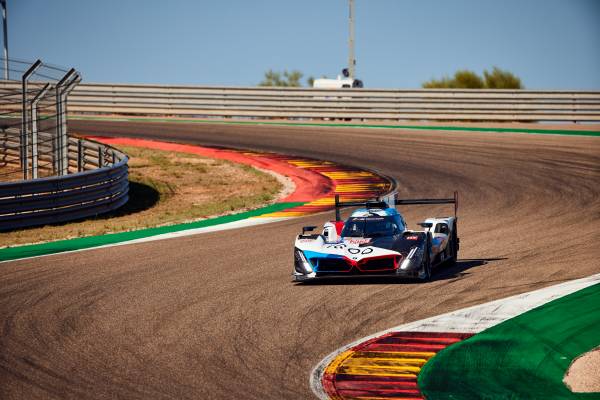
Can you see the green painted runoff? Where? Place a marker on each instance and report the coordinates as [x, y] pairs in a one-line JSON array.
[[34, 250], [524, 357]]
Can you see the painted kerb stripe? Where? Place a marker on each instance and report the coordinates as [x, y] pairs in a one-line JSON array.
[[469, 320]]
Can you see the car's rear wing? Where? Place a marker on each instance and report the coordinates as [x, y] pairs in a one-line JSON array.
[[451, 200], [392, 200], [366, 204]]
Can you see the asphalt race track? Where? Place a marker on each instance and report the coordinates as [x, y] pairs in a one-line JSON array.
[[217, 316]]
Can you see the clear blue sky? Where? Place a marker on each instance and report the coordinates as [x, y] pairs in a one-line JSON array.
[[550, 44]]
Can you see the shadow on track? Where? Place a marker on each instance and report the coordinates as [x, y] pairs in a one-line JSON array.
[[442, 272], [141, 197]]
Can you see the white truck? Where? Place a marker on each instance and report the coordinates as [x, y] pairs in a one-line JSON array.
[[342, 81], [339, 83]]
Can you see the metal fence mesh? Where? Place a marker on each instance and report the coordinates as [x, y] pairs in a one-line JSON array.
[[46, 176], [33, 131]]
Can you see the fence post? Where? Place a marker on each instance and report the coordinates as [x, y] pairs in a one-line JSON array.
[[3, 141], [34, 130], [80, 155], [24, 120], [100, 157], [65, 137], [61, 123]]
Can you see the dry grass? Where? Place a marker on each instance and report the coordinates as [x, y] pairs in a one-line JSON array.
[[167, 188]]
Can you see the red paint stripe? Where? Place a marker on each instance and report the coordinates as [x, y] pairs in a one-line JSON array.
[[419, 340], [404, 347], [306, 174], [371, 378], [328, 383], [375, 385], [309, 185], [413, 394], [429, 334]]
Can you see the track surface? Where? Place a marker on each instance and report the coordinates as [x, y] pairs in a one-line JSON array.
[[216, 316]]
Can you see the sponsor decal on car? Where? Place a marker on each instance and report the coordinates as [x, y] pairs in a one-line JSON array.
[[357, 240]]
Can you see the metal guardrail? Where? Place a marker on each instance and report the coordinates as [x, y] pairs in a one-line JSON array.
[[100, 185], [309, 103], [49, 176]]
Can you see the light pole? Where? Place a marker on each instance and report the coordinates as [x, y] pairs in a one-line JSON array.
[[3, 4], [351, 59]]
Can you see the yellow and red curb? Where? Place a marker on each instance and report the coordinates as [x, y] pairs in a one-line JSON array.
[[351, 184], [385, 367], [316, 182]]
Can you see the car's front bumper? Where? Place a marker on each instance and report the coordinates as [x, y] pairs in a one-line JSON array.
[[410, 267], [315, 276]]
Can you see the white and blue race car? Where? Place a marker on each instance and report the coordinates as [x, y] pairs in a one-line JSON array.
[[375, 241]]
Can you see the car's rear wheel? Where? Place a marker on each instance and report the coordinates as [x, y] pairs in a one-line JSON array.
[[454, 245]]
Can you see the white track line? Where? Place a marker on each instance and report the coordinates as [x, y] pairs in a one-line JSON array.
[[243, 223], [187, 232], [468, 320]]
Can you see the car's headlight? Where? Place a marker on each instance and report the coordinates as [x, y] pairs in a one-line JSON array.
[[413, 258], [301, 264]]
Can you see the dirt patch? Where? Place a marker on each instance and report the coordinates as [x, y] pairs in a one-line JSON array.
[[583, 376], [168, 188]]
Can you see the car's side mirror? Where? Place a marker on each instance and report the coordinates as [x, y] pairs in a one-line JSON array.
[[308, 229]]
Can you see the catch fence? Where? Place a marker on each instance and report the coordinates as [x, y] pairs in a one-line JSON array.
[[45, 175]]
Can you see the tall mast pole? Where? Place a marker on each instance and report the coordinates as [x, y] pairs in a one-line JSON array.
[[5, 55], [351, 59]]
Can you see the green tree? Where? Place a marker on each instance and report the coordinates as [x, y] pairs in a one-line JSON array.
[[465, 79], [443, 83], [501, 79], [285, 79], [462, 79]]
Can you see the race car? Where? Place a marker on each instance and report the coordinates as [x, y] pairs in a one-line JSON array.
[[375, 241]]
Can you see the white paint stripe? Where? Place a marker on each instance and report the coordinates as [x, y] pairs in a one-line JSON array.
[[188, 232], [468, 320], [215, 228]]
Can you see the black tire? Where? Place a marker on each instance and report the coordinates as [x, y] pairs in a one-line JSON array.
[[425, 272], [454, 245]]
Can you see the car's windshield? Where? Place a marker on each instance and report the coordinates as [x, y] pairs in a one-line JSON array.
[[371, 226]]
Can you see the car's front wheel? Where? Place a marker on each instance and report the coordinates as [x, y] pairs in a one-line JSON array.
[[425, 271]]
